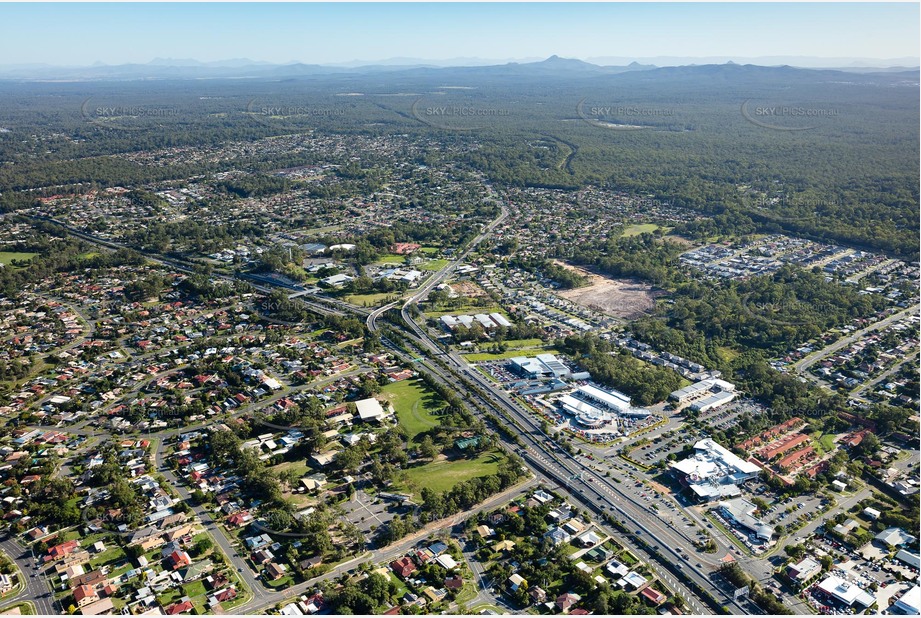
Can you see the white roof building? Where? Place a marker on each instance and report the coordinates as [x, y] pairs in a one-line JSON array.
[[370, 409], [337, 280], [896, 537], [741, 512], [699, 389], [446, 561], [845, 591], [713, 401], [909, 604], [912, 560], [610, 399], [714, 472]]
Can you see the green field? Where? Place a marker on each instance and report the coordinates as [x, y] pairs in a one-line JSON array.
[[433, 265], [486, 356], [371, 300], [825, 442], [26, 608], [8, 256], [299, 466], [392, 259], [443, 475], [641, 228], [414, 405]]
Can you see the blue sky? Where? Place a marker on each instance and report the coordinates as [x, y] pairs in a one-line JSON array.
[[79, 34]]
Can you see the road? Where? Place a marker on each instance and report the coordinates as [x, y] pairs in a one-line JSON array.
[[667, 549], [809, 360], [858, 392], [37, 589], [385, 554], [595, 493]]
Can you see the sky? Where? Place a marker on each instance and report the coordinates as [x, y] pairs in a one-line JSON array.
[[73, 34]]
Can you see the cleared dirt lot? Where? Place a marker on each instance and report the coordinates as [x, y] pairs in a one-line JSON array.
[[615, 297]]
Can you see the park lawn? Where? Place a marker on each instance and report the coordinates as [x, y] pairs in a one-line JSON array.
[[825, 441], [6, 257], [442, 475], [640, 228], [433, 265], [371, 300], [484, 607], [392, 259], [300, 467], [429, 250], [466, 594], [487, 356], [414, 405]]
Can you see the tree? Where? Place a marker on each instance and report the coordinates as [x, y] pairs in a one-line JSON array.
[[202, 546], [795, 551], [427, 448]]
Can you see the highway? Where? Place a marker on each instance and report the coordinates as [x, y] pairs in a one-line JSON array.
[[667, 545]]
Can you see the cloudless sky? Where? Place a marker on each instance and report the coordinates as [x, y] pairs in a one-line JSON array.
[[80, 34]]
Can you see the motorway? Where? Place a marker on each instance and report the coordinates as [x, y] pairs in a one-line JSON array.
[[667, 544]]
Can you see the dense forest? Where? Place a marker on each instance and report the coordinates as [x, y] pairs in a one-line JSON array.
[[848, 174]]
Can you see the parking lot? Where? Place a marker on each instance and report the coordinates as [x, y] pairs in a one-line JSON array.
[[728, 416], [792, 510], [661, 447], [369, 512]]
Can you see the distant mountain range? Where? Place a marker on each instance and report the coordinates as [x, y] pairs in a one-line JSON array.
[[242, 68]]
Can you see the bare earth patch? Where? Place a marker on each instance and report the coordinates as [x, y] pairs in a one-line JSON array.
[[468, 289], [616, 297]]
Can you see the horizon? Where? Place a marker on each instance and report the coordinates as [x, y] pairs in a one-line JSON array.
[[353, 34], [805, 62]]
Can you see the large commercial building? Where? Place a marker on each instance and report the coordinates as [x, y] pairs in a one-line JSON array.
[[909, 604], [585, 414], [612, 400], [846, 592], [713, 401], [741, 512], [593, 407], [705, 395], [542, 365], [713, 472]]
